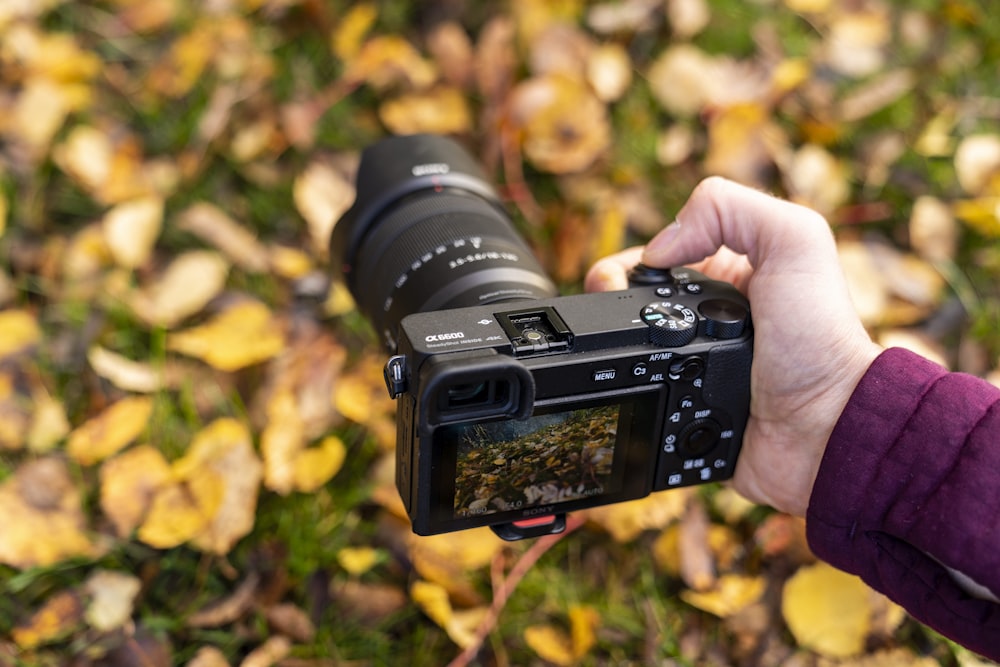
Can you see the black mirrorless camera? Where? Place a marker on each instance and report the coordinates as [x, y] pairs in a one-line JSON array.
[[516, 405]]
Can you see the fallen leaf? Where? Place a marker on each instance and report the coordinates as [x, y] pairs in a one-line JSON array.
[[290, 620], [349, 34], [743, 142], [110, 431], [688, 17], [45, 522], [182, 510], [131, 229], [855, 43], [448, 559], [933, 229], [609, 71], [438, 110], [817, 179], [731, 594], [368, 602], [280, 442], [389, 60], [242, 335], [315, 466], [270, 653], [190, 281], [550, 643], [892, 657], [111, 598], [19, 331], [59, 616], [124, 373], [208, 656], [564, 127], [460, 625], [224, 449], [560, 48], [229, 609], [322, 194], [977, 162], [876, 95], [828, 611], [982, 214], [626, 521], [128, 483], [357, 560], [450, 46], [49, 424], [211, 224]]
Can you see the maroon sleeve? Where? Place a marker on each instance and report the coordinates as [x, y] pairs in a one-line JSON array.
[[911, 480]]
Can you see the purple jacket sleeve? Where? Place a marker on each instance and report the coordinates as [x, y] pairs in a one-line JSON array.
[[911, 480]]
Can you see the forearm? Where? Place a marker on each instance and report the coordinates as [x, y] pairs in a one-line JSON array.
[[908, 483]]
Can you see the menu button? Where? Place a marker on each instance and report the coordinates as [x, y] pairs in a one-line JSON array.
[[604, 375]]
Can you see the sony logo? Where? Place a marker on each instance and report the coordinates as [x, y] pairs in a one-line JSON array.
[[430, 169], [535, 511]]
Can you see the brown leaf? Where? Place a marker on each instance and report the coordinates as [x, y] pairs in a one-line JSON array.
[[187, 285], [111, 599], [268, 653], [290, 620], [368, 602], [228, 609], [451, 48], [322, 194], [697, 563]]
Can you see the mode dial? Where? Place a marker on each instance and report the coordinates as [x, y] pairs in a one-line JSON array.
[[670, 324]]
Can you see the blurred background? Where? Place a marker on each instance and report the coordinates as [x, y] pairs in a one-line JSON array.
[[195, 442]]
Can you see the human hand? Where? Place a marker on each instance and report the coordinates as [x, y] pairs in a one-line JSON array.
[[810, 349]]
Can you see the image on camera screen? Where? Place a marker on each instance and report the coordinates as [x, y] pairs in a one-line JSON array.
[[553, 458]]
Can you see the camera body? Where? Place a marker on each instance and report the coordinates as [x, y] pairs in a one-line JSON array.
[[516, 405], [513, 415]]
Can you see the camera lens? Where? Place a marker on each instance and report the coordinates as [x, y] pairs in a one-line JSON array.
[[427, 232]]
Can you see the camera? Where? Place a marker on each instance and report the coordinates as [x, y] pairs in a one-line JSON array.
[[517, 405]]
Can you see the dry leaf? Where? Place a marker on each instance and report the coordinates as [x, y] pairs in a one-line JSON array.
[[243, 335], [350, 31], [322, 194], [190, 281], [225, 450], [124, 373], [315, 466], [743, 141], [817, 179], [131, 229], [982, 214], [449, 45], [280, 442], [625, 521], [560, 48], [19, 330], [111, 599], [357, 560], [389, 60], [270, 653], [49, 423], [977, 162], [128, 483], [44, 521], [609, 71], [933, 230], [564, 127], [211, 224], [110, 431], [438, 110], [855, 42], [828, 611], [459, 624], [208, 656], [367, 602], [448, 559], [228, 609], [60, 615], [876, 95], [731, 594], [291, 621], [181, 511], [553, 644]]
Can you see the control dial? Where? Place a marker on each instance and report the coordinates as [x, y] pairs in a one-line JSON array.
[[723, 318], [670, 324]]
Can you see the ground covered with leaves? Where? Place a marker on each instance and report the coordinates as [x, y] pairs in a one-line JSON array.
[[195, 445]]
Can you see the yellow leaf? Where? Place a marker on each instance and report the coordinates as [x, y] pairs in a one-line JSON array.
[[290, 263], [977, 163], [583, 623], [449, 558], [188, 284], [49, 424], [281, 441], [982, 214], [459, 624], [550, 643], [131, 229], [58, 616], [44, 520], [111, 430], [241, 336], [357, 560], [441, 110], [315, 466], [625, 521], [351, 30], [731, 594], [224, 452], [129, 482], [211, 224], [387, 60], [181, 511], [828, 611], [18, 331]]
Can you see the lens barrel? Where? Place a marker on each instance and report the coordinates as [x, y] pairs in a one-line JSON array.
[[427, 232]]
